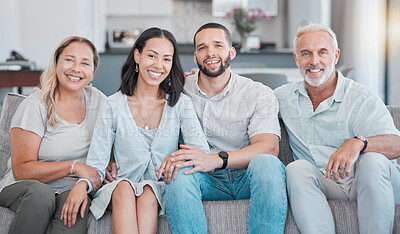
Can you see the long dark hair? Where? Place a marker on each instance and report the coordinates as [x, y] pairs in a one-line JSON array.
[[172, 85]]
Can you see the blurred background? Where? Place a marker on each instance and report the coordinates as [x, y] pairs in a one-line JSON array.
[[368, 32]]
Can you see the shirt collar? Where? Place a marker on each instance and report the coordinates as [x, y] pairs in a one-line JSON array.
[[222, 94], [340, 86], [337, 95]]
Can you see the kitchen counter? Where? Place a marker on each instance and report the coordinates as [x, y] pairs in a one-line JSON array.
[[23, 78]]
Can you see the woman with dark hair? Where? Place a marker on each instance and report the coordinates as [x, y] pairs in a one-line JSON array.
[[142, 124], [50, 136]]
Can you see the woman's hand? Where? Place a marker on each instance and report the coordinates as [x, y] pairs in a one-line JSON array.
[[168, 167], [111, 171], [85, 171], [76, 199]]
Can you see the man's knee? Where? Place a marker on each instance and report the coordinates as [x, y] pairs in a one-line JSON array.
[[182, 182], [371, 168], [297, 172], [266, 165]]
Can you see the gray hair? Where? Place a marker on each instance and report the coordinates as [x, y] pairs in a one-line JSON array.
[[310, 28]]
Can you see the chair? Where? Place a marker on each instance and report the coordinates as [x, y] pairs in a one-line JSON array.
[[349, 72], [272, 80]]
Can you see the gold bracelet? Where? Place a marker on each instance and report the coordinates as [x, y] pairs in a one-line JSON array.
[[72, 167]]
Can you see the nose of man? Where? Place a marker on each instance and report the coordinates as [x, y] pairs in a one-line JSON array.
[[315, 60]]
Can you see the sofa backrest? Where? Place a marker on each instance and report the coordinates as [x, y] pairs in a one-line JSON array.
[[285, 152], [12, 101], [395, 112], [10, 105]]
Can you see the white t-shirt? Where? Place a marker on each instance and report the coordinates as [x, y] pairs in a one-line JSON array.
[[62, 142]]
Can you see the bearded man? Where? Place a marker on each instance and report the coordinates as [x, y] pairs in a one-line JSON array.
[[240, 120], [343, 139]]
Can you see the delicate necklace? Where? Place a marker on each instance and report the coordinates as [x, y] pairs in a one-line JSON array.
[[146, 126]]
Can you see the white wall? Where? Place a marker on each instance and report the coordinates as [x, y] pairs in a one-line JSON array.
[[394, 52], [37, 27], [9, 18], [360, 26]]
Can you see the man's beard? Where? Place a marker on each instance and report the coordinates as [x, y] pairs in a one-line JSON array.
[[325, 76], [225, 64]]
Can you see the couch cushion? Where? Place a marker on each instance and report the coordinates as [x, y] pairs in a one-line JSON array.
[[10, 105], [285, 152], [395, 112]]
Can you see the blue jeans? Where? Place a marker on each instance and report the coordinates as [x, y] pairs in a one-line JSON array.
[[263, 182]]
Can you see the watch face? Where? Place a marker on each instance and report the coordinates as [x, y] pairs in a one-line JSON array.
[[223, 154]]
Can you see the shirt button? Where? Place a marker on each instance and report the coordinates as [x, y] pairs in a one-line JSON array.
[[310, 120], [309, 142]]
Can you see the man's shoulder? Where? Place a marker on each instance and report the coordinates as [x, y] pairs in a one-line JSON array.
[[357, 91], [189, 83], [191, 79], [286, 90]]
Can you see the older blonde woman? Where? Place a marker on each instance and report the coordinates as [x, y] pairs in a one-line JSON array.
[[50, 137]]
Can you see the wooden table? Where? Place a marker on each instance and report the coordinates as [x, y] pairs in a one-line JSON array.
[[20, 79]]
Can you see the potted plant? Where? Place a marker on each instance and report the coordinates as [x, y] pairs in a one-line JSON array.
[[245, 21]]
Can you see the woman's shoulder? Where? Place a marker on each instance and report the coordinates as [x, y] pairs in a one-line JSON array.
[[33, 100], [93, 92], [183, 100]]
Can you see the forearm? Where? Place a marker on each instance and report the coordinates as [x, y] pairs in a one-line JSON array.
[[388, 145], [240, 159], [42, 171]]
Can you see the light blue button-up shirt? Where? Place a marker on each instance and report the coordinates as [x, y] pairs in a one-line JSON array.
[[351, 111], [116, 129]]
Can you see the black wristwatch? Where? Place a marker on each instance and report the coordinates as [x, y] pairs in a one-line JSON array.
[[365, 140], [224, 155]]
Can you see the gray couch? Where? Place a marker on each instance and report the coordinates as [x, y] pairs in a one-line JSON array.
[[222, 216]]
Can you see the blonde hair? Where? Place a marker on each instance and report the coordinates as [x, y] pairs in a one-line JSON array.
[[49, 81], [310, 28]]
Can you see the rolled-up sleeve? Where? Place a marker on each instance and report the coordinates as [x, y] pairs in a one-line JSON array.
[[265, 116]]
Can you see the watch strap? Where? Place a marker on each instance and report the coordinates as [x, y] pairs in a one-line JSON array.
[[365, 140], [224, 156]]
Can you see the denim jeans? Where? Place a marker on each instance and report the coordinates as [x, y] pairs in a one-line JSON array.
[[374, 183], [263, 182]]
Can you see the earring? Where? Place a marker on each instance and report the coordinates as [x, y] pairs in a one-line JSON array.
[[137, 68]]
